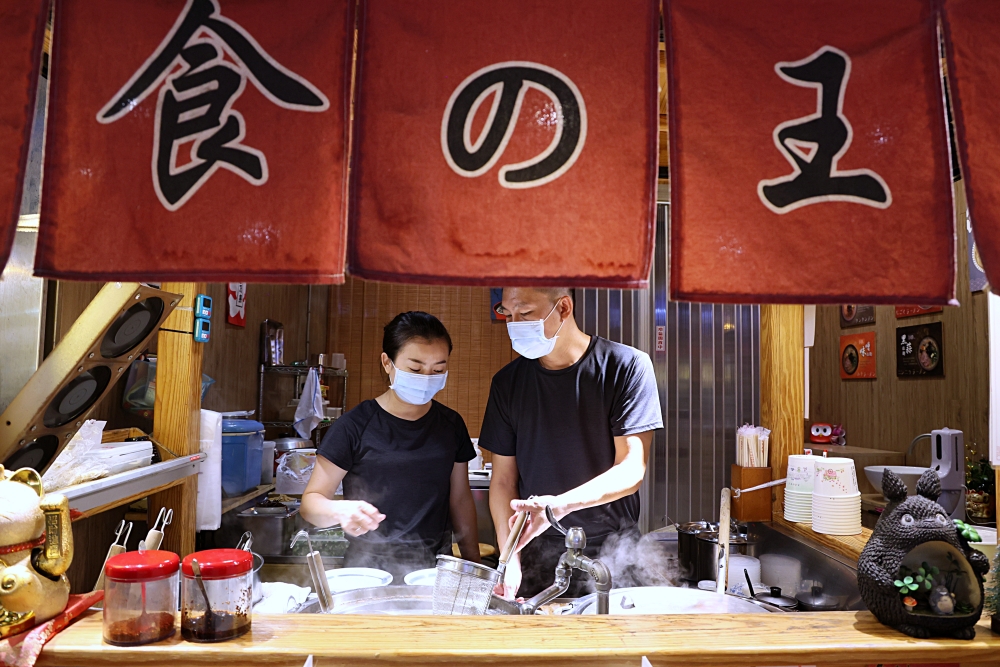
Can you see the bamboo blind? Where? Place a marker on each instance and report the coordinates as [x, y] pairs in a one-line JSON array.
[[359, 309]]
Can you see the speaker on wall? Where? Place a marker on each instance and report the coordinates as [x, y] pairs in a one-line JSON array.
[[93, 355]]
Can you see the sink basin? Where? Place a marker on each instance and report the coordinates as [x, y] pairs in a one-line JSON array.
[[909, 475]]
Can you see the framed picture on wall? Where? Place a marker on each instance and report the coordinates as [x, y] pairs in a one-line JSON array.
[[857, 356], [920, 351], [852, 315], [913, 311]]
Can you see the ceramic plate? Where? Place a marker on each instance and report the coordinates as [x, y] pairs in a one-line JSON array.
[[351, 578], [421, 577]]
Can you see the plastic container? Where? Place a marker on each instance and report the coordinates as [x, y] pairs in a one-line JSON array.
[[228, 578], [140, 597], [267, 463], [242, 451]]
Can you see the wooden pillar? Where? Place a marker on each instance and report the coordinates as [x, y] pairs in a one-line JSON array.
[[782, 389], [177, 416]]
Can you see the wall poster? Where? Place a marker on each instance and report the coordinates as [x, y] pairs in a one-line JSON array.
[[920, 351], [857, 356], [913, 311], [852, 315]]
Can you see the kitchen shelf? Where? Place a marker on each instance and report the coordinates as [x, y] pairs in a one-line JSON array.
[[229, 504], [304, 370], [126, 487]]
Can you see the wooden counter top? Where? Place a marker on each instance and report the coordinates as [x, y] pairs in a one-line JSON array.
[[849, 546], [357, 641]]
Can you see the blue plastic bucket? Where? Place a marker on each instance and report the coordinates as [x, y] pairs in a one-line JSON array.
[[242, 449]]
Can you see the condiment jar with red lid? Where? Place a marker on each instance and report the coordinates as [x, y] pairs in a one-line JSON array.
[[140, 597], [226, 580]]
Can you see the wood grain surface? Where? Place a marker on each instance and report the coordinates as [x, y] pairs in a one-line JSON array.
[[782, 388], [177, 413], [849, 546], [888, 412], [359, 309], [360, 641]]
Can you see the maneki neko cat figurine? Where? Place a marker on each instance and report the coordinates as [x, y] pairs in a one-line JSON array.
[[36, 549]]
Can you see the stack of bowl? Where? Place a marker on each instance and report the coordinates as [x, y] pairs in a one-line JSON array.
[[799, 487], [836, 506]]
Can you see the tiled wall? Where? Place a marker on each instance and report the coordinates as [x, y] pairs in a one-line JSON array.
[[358, 310]]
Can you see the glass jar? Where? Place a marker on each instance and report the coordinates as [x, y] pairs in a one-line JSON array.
[[140, 597], [227, 575]]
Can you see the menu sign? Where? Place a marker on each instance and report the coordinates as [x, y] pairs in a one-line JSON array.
[[913, 311], [857, 356], [919, 351], [855, 316]]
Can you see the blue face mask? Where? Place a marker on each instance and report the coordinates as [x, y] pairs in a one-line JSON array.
[[528, 338], [417, 388]]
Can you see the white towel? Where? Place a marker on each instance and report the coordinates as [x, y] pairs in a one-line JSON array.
[[280, 598], [209, 512], [310, 410]]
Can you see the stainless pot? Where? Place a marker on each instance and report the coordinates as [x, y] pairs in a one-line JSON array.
[[672, 600], [708, 552], [290, 443], [393, 601], [687, 547], [272, 528], [258, 590]]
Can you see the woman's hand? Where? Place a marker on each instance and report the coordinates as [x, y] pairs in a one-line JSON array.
[[357, 517], [536, 523]]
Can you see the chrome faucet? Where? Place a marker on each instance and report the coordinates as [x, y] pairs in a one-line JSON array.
[[913, 443], [576, 541]]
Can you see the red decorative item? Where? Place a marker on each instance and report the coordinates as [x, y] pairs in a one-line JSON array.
[[820, 433], [22, 23], [813, 131], [505, 143], [208, 143], [23, 650], [236, 304]]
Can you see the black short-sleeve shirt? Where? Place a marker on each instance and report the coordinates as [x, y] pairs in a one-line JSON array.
[[561, 424], [402, 467]]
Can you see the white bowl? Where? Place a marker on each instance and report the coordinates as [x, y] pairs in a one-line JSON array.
[[421, 577], [351, 578], [909, 475]]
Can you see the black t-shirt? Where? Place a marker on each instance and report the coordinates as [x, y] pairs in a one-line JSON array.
[[561, 424], [401, 467]]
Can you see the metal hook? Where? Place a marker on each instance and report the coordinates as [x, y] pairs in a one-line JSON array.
[[163, 519], [246, 541], [302, 533], [128, 532], [554, 521]]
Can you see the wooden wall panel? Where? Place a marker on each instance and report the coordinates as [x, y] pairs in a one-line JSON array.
[[359, 309], [782, 386], [888, 412], [232, 356]]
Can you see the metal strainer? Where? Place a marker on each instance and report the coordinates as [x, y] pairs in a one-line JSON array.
[[463, 587]]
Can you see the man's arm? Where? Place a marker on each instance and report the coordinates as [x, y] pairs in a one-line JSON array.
[[622, 479], [503, 493], [463, 513]]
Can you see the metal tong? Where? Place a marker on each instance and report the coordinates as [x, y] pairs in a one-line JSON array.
[[115, 549], [317, 572], [155, 535], [246, 541]]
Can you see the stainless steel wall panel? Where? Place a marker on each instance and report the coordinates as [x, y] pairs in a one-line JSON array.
[[708, 381]]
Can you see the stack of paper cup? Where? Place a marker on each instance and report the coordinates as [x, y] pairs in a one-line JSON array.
[[836, 507], [799, 487]]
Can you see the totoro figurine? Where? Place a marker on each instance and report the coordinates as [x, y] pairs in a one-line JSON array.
[[943, 598]]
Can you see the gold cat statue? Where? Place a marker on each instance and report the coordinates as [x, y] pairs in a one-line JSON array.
[[36, 549]]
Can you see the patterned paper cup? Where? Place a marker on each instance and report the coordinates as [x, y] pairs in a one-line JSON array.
[[801, 468], [835, 477]]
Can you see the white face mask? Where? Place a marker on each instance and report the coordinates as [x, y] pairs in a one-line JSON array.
[[417, 388], [528, 338]]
